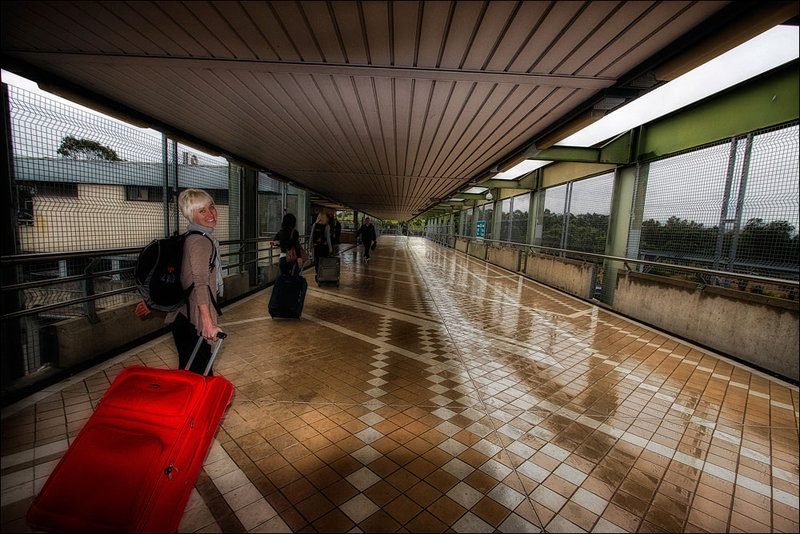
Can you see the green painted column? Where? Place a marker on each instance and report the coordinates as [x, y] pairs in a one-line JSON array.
[[532, 203], [536, 216], [625, 223], [497, 216]]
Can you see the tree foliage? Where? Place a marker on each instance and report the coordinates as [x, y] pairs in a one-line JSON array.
[[85, 149], [766, 243], [774, 243], [587, 231]]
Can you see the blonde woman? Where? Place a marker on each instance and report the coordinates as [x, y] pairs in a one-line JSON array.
[[321, 238], [200, 268]]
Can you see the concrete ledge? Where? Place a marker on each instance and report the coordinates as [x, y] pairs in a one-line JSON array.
[[758, 329], [77, 340], [505, 257], [575, 277], [477, 250]]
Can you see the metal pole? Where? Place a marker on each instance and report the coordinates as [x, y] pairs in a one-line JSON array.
[[565, 226], [175, 171], [740, 200], [165, 161], [723, 216]]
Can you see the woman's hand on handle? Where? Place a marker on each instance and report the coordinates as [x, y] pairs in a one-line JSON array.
[[142, 310], [208, 329]]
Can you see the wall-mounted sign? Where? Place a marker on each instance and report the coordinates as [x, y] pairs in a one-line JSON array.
[[480, 229]]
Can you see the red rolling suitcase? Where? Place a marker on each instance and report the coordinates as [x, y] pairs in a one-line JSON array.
[[134, 463]]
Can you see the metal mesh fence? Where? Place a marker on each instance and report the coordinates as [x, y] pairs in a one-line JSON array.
[[731, 206], [86, 182], [81, 180], [768, 242]]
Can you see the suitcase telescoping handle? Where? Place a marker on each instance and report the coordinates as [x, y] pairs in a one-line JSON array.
[[220, 336]]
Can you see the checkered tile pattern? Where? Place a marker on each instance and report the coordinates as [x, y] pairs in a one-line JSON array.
[[431, 393]]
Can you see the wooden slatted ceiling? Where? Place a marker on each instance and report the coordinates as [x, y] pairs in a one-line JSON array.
[[384, 106]]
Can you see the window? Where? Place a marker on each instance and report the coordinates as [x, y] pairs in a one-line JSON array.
[[519, 217], [485, 213], [468, 228], [553, 218], [55, 189], [270, 208], [505, 220], [145, 194], [589, 212]]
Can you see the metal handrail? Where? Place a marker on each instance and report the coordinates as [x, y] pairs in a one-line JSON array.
[[13, 260], [625, 261], [55, 256]]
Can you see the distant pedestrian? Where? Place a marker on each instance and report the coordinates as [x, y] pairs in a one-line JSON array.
[[321, 239], [368, 237], [336, 229], [293, 256]]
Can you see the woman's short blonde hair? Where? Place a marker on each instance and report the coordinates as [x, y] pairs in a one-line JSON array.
[[322, 218], [191, 199]]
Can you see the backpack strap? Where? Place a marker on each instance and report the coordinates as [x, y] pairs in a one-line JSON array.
[[211, 261], [213, 248]]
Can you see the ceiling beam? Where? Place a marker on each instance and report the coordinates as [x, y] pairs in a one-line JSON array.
[[504, 184], [325, 69]]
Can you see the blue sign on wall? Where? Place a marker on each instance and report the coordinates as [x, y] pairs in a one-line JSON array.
[[480, 229]]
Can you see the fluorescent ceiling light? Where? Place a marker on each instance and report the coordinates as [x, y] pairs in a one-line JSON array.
[[522, 168], [476, 190], [764, 52], [456, 200]]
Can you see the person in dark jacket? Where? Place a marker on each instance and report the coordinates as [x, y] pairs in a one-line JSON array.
[[320, 239], [336, 230], [368, 237], [292, 254]]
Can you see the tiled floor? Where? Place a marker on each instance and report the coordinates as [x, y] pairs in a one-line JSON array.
[[431, 392]]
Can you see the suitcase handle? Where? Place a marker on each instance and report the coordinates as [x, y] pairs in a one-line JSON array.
[[220, 337]]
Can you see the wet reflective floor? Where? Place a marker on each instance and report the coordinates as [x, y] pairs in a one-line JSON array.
[[432, 392]]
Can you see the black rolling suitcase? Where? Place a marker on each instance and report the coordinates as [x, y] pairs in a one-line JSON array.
[[328, 270], [288, 296]]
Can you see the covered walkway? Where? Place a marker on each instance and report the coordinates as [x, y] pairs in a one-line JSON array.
[[433, 392]]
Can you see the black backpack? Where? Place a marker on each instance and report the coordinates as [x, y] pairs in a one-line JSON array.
[[158, 272], [318, 234]]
